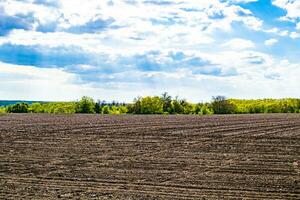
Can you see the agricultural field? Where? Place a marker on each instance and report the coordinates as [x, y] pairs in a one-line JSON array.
[[149, 157]]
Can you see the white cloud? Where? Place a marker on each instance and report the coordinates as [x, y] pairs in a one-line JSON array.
[[51, 39], [292, 8], [42, 14], [277, 31], [294, 35], [139, 27], [283, 33], [254, 78], [298, 26], [186, 21], [274, 30], [271, 42], [243, 1], [239, 44], [28, 82]]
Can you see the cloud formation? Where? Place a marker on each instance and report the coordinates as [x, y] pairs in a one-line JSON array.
[[195, 49], [292, 8], [271, 42]]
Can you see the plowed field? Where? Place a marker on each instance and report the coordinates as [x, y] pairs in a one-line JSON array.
[[149, 157]]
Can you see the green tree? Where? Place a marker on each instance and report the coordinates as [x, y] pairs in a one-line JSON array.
[[2, 109], [167, 101], [176, 107], [221, 105], [151, 105], [18, 108], [97, 107], [123, 109], [85, 105], [198, 108], [188, 108], [114, 110], [105, 109], [206, 110], [136, 106], [266, 105], [36, 108], [59, 107]]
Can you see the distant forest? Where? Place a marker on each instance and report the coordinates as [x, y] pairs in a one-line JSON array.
[[12, 102], [163, 104]]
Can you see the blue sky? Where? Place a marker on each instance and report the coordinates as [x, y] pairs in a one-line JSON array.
[[120, 49]]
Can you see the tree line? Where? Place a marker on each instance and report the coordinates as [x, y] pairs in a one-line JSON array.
[[164, 104]]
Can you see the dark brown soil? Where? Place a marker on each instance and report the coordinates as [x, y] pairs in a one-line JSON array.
[[149, 157]]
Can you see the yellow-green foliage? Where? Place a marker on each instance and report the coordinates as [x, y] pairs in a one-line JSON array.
[[114, 110], [189, 108], [59, 107], [206, 110], [85, 105], [36, 108], [117, 110], [2, 110], [266, 105], [162, 105], [151, 105], [123, 109]]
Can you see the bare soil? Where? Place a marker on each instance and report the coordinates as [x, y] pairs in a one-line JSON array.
[[149, 157]]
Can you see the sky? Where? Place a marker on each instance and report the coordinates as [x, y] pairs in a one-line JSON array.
[[61, 50]]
